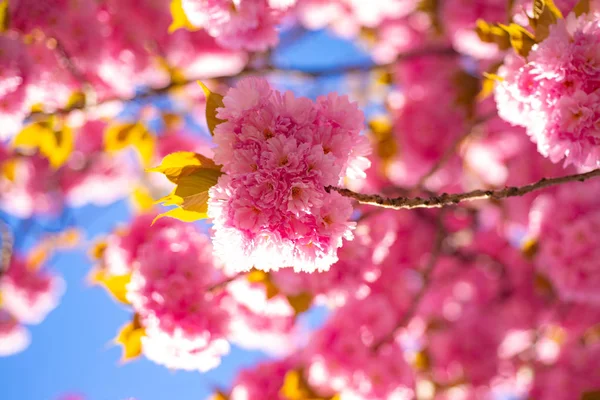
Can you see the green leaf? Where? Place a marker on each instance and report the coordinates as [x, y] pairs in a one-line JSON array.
[[4, 16], [213, 101], [76, 100]]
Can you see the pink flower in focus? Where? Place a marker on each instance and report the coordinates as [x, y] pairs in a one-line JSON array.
[[555, 94], [29, 294], [279, 153]]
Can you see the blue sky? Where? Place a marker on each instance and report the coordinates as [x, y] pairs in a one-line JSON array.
[[71, 350]]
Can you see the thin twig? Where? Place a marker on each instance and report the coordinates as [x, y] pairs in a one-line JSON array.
[[306, 72], [446, 199], [428, 269], [7, 246], [451, 150]]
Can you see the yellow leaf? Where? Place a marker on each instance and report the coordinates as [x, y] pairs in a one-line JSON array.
[[130, 339], [122, 135], [76, 100], [8, 169], [213, 101], [530, 248], [258, 276], [487, 85], [492, 33], [4, 16], [55, 143], [191, 193], [219, 396], [142, 199], [182, 215], [183, 163], [116, 285], [545, 13], [180, 20], [382, 130], [594, 395], [521, 39], [295, 387], [97, 251], [300, 302], [38, 256], [582, 7]]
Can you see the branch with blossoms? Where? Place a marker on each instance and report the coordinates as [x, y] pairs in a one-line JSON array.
[[247, 71], [445, 199]]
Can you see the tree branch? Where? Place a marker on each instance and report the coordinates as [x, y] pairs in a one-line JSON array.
[[446, 199], [7, 246], [306, 72], [426, 277]]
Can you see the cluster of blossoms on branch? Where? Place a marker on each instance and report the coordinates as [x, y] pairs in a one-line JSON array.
[[477, 300]]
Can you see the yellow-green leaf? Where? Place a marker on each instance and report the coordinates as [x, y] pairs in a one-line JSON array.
[[545, 13], [182, 215], [76, 100], [582, 7], [4, 16], [521, 39], [487, 85], [213, 101], [116, 285], [492, 33], [52, 141], [130, 339], [122, 135], [300, 302], [183, 163], [193, 183], [258, 276]]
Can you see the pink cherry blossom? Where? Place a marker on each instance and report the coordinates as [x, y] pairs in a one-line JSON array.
[[240, 24], [279, 153], [564, 226], [263, 381], [554, 95], [15, 67], [28, 293], [14, 338], [169, 290]]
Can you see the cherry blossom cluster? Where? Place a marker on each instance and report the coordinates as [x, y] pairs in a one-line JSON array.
[[27, 295], [279, 154], [189, 310], [240, 24], [553, 93]]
